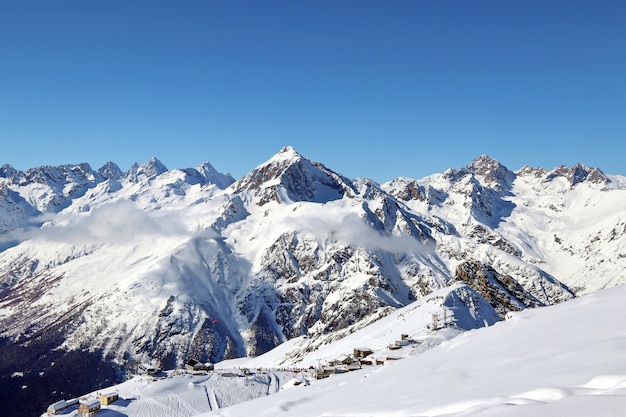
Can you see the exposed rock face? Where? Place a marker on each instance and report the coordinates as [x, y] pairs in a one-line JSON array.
[[492, 172], [502, 291], [111, 171], [574, 175]]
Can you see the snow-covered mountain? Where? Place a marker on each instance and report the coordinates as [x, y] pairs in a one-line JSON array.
[[161, 265]]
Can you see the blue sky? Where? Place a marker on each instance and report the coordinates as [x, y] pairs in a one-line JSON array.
[[369, 88]]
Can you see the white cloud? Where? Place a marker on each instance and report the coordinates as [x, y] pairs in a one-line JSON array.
[[353, 230], [119, 222]]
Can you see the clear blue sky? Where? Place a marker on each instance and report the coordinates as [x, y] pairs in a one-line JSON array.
[[375, 89]]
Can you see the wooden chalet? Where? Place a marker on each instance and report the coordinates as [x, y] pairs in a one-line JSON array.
[[361, 352], [60, 406], [366, 361], [147, 369], [354, 366], [345, 360], [194, 365], [325, 372], [109, 398], [89, 408]]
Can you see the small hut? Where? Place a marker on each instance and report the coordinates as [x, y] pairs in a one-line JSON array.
[[89, 408], [361, 352], [367, 361], [60, 406], [325, 372], [146, 368], [344, 359], [354, 366], [108, 398], [195, 365]]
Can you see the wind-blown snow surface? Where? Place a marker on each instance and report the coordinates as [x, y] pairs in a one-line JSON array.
[[565, 360]]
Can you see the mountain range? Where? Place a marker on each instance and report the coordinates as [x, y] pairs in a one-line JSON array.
[[157, 265]]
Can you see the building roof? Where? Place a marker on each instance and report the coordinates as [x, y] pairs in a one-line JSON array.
[[91, 403], [58, 405]]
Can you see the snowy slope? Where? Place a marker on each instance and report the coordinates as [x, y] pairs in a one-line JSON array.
[[514, 368]]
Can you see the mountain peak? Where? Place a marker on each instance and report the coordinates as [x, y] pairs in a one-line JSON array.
[[211, 175], [287, 149], [7, 171], [302, 179], [488, 167], [150, 170], [111, 170], [286, 153], [492, 171], [578, 173]]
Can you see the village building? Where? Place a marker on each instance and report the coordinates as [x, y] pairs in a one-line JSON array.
[[354, 366], [89, 409], [367, 361], [60, 406], [325, 372], [361, 352], [345, 360], [147, 369], [402, 342], [194, 365], [109, 398]]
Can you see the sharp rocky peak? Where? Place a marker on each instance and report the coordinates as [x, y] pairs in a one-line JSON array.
[[149, 170], [7, 170], [110, 171], [491, 170], [212, 176], [301, 179], [579, 173]]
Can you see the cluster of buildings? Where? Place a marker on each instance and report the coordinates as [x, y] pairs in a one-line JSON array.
[[86, 408], [361, 356], [91, 407]]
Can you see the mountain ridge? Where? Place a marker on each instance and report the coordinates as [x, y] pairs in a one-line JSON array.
[[159, 265]]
